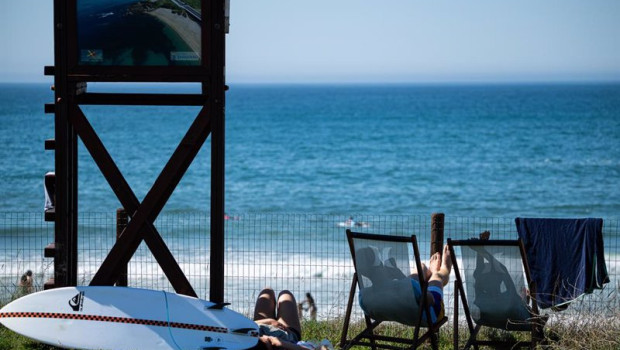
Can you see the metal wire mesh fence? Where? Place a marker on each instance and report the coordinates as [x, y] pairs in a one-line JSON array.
[[22, 239], [304, 253]]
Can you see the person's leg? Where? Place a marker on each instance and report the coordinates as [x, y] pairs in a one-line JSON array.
[[440, 267], [434, 293], [287, 312], [433, 277], [265, 305], [426, 272]]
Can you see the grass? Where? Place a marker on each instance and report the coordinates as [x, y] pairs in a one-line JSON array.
[[313, 330], [584, 332], [13, 341], [590, 332]]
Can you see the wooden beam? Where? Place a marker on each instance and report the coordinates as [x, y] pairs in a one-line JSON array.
[[90, 98], [131, 203], [437, 227], [146, 213], [62, 158], [50, 144], [122, 218], [216, 86], [155, 199]]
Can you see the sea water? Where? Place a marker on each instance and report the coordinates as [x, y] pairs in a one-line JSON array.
[[321, 153], [466, 150]]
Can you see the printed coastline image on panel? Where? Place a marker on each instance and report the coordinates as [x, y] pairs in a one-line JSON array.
[[139, 33]]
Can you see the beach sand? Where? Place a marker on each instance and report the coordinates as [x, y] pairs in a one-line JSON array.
[[187, 29]]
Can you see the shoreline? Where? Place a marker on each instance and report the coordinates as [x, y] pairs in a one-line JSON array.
[[185, 28]]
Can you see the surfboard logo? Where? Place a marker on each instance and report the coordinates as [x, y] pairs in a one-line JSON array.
[[77, 301]]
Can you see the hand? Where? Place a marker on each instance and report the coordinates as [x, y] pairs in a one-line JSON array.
[[272, 322], [271, 342]]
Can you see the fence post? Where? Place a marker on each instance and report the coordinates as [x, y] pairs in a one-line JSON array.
[[122, 219], [437, 225]]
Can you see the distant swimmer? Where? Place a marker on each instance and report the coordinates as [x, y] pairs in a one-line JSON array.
[[228, 217], [352, 223], [362, 224]]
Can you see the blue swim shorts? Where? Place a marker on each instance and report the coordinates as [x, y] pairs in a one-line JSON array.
[[290, 335], [437, 309]]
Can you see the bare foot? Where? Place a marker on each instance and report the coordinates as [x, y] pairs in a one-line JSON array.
[[434, 264], [426, 272], [485, 235], [446, 261], [446, 266]]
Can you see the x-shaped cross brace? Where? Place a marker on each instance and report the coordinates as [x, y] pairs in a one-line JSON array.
[[143, 214]]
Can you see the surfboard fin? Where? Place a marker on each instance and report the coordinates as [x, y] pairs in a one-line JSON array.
[[218, 306], [243, 330]]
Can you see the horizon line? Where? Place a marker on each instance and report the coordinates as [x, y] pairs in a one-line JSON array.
[[359, 82]]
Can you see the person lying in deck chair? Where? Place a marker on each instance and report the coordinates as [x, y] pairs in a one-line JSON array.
[[437, 273], [495, 290]]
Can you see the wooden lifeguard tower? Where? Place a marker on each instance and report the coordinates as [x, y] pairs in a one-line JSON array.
[[71, 77]]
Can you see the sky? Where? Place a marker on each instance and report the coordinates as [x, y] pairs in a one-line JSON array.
[[404, 41]]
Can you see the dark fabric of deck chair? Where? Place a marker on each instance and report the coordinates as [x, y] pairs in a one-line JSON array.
[[386, 292], [493, 283], [496, 287]]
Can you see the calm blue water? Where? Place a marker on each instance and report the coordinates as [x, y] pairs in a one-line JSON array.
[[497, 150]]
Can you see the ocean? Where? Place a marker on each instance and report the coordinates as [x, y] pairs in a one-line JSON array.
[[465, 150], [300, 159]]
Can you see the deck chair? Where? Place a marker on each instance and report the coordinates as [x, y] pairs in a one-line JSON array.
[[386, 293], [493, 283]]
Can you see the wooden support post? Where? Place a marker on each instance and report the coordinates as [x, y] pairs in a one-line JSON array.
[[122, 218], [66, 161], [70, 89], [216, 108], [437, 225]]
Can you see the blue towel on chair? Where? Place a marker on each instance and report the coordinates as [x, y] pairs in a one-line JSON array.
[[565, 257]]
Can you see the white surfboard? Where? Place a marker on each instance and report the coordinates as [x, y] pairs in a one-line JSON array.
[[123, 318]]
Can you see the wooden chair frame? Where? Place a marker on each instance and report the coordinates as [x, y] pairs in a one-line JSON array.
[[537, 323], [368, 337]]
